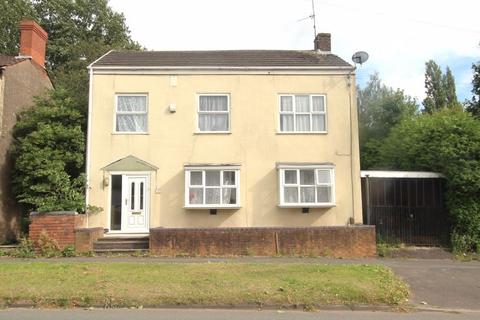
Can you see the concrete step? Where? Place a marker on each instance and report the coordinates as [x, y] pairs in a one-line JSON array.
[[116, 244], [121, 251]]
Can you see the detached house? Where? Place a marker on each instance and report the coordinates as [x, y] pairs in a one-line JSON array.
[[22, 77], [223, 139]]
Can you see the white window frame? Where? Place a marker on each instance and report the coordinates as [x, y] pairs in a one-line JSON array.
[[294, 113], [213, 112], [316, 168], [117, 95], [189, 170]]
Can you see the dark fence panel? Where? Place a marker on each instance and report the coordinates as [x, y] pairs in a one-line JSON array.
[[410, 210]]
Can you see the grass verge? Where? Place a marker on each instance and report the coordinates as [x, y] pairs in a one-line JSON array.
[[132, 284]]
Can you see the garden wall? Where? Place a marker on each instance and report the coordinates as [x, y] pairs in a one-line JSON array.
[[59, 226], [341, 241]]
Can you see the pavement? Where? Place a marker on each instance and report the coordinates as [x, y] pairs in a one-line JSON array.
[[216, 314]]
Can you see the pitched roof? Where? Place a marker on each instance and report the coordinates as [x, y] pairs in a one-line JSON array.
[[9, 60], [224, 58]]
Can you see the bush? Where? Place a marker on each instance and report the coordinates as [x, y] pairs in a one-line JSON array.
[[48, 151], [447, 141], [25, 249]]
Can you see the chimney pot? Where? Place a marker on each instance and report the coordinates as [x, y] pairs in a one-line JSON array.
[[33, 41], [322, 42]]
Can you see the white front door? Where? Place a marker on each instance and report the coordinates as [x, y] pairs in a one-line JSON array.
[[135, 194]]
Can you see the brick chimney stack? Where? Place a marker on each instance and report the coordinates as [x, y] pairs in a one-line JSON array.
[[33, 41], [322, 43]]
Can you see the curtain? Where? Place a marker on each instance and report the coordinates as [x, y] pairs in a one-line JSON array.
[[229, 196], [212, 196], [307, 177], [213, 113], [302, 122], [196, 195], [131, 123], [212, 178], [318, 104], [323, 176], [307, 194], [324, 194], [196, 178], [213, 122], [286, 122], [291, 176], [131, 114], [290, 195], [318, 122], [213, 103], [302, 104], [286, 103], [229, 178]]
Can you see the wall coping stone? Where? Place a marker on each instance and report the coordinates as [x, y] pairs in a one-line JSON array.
[[54, 213], [264, 228]]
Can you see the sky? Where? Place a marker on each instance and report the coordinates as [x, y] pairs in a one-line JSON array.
[[399, 36]]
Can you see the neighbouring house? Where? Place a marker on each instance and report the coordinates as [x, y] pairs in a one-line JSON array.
[[22, 78], [222, 152]]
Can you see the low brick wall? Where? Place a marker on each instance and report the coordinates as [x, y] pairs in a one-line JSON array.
[[59, 226], [342, 241], [85, 237]]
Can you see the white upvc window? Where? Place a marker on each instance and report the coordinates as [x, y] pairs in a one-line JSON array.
[[302, 113], [131, 113], [212, 187], [213, 113], [307, 186]]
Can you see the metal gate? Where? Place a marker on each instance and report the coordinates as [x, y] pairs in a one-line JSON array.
[[407, 207]]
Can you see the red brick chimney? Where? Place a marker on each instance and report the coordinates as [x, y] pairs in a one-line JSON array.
[[323, 43], [33, 40]]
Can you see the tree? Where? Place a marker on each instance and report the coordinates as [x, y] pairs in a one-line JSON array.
[[12, 12], [49, 140], [447, 141], [473, 106], [439, 88], [48, 152], [79, 32], [380, 108]]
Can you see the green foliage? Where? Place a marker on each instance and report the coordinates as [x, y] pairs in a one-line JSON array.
[[447, 141], [473, 106], [380, 108], [25, 249], [439, 88], [48, 246], [48, 150], [12, 12], [79, 32]]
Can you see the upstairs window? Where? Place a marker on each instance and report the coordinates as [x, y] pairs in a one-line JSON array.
[[131, 113], [213, 113], [303, 113], [307, 186], [212, 187]]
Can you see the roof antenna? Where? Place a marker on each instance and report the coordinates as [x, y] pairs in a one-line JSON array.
[[312, 16]]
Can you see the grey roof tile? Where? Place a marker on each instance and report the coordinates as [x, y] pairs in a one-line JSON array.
[[224, 58]]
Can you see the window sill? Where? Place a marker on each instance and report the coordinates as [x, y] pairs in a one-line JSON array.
[[302, 133], [212, 207], [130, 134], [212, 132], [308, 205]]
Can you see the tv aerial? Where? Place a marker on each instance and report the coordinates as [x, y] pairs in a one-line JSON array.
[[312, 16], [360, 57]]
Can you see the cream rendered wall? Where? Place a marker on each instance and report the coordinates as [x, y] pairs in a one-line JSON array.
[[253, 142]]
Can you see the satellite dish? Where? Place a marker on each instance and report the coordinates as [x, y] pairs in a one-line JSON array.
[[360, 57]]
